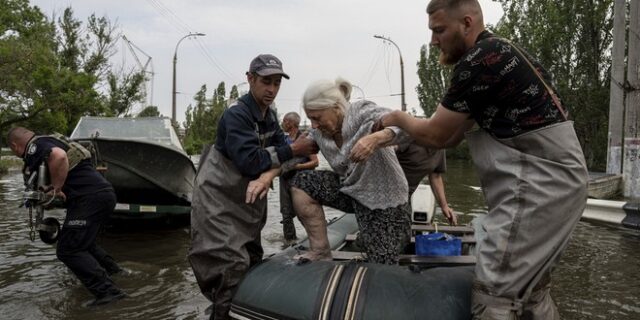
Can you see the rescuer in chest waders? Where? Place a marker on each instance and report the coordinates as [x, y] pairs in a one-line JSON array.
[[529, 160], [229, 205], [88, 199]]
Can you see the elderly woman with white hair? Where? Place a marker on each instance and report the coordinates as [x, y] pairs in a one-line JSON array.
[[375, 190]]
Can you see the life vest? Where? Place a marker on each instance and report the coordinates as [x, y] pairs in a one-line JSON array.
[[75, 151]]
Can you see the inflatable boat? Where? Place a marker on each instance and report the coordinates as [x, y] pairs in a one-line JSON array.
[[420, 287]]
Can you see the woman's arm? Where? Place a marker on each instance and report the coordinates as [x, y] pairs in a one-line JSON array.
[[370, 143]]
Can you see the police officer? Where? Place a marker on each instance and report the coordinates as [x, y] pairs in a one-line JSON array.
[[89, 199]]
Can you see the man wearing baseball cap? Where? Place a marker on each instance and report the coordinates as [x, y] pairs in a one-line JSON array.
[[229, 205]]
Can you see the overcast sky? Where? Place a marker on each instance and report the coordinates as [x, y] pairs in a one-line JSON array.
[[314, 40]]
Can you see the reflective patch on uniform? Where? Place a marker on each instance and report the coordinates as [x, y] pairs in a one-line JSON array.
[[32, 148], [77, 223]]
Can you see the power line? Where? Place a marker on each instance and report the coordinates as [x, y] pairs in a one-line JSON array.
[[213, 61], [183, 27], [388, 64], [171, 17], [373, 66]]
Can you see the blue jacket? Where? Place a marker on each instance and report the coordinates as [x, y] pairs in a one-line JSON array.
[[253, 143]]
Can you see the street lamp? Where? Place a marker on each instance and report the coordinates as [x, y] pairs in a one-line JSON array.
[[175, 59], [404, 104]]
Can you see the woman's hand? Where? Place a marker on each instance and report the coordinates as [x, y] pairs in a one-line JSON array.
[[368, 144], [364, 148]]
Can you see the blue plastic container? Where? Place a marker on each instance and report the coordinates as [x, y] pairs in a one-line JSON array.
[[438, 244]]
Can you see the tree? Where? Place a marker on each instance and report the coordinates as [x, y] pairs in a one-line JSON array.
[[196, 124], [150, 111], [123, 91], [27, 61], [233, 94], [201, 122], [53, 74], [434, 79]]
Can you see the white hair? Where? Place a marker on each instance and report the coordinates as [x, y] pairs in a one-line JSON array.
[[325, 94]]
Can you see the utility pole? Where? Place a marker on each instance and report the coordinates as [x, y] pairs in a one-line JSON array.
[[175, 60], [616, 100], [404, 104], [631, 166]]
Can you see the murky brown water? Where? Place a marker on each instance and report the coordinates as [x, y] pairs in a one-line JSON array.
[[597, 278]]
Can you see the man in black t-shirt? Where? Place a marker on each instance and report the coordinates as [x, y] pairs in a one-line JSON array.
[[89, 199], [527, 155]]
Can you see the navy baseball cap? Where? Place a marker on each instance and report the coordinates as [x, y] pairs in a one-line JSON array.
[[267, 65]]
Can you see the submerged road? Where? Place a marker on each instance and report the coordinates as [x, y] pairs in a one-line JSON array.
[[597, 278]]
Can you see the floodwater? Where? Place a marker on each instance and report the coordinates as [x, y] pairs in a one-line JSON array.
[[596, 279]]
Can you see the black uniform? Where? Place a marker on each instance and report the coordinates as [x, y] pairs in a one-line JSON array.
[[90, 200]]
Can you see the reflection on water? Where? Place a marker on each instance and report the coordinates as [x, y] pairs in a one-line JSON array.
[[596, 279]]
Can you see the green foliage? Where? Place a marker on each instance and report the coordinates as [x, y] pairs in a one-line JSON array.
[[233, 94], [52, 73], [124, 91], [27, 59], [434, 79], [201, 122], [150, 111]]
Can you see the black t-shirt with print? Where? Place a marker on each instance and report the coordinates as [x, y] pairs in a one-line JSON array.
[[494, 84], [83, 179]]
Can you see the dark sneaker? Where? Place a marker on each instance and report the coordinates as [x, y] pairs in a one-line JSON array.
[[107, 298]]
